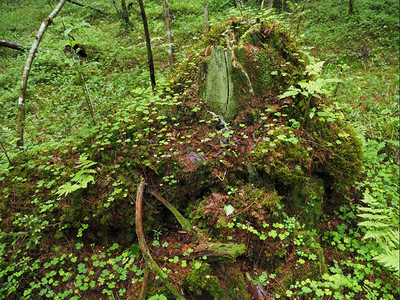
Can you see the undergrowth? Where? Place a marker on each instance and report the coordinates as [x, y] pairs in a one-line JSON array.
[[352, 254]]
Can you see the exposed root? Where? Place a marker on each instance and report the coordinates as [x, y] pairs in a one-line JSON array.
[[151, 264]]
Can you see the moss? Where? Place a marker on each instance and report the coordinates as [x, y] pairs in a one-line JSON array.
[[339, 153], [202, 283], [306, 199], [235, 283], [312, 245], [281, 161]]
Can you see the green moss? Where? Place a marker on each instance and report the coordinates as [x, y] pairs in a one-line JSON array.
[[313, 247], [202, 283], [235, 283], [307, 199], [339, 153], [281, 161]]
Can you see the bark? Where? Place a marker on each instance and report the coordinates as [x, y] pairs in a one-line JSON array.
[[270, 4], [170, 37], [152, 265], [125, 14], [12, 45], [25, 75], [148, 45], [206, 19], [90, 7]]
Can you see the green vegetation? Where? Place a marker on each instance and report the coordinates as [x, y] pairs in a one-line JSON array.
[[295, 194]]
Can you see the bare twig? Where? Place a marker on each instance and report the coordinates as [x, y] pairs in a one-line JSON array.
[[90, 7], [5, 153], [116, 8]]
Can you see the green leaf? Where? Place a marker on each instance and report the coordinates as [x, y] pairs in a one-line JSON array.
[[229, 209]]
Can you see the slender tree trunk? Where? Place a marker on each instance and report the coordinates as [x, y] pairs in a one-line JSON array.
[[148, 45], [125, 12], [351, 7], [25, 75], [206, 19], [170, 37], [270, 4]]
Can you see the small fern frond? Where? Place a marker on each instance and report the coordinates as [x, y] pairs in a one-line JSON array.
[[390, 259], [373, 223]]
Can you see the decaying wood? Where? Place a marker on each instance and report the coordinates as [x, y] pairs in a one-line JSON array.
[[90, 7], [13, 45], [25, 75], [220, 252], [151, 264]]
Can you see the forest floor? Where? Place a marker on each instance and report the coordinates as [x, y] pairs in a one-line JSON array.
[[67, 199]]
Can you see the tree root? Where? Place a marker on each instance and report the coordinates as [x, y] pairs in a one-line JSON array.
[[152, 265], [181, 219]]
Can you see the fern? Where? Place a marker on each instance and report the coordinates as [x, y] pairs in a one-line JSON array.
[[81, 179], [382, 224]]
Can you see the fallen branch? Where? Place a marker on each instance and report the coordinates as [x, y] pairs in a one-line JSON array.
[[13, 45], [181, 219], [90, 7], [151, 264], [5, 153]]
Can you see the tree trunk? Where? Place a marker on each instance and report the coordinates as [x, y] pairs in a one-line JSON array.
[[25, 75], [351, 7], [270, 4], [12, 45], [125, 12], [148, 45], [206, 22], [170, 37]]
